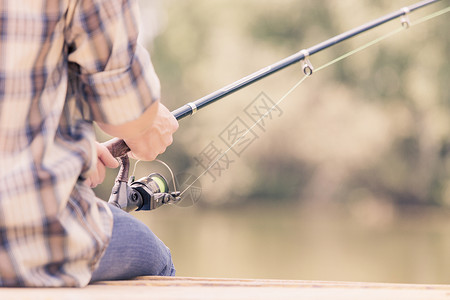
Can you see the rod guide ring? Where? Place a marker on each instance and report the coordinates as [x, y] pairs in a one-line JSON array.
[[405, 18], [307, 67]]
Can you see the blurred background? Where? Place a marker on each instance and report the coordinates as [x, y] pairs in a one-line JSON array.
[[348, 179]]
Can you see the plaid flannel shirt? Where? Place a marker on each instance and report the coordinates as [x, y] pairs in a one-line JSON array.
[[63, 64]]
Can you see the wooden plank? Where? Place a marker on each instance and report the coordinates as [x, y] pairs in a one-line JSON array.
[[181, 288]]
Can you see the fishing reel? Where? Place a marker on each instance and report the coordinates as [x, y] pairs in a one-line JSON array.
[[147, 193]]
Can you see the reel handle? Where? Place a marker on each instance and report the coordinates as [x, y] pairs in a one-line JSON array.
[[117, 147]]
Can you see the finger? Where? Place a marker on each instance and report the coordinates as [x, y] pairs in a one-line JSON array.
[[92, 180], [132, 155], [101, 171], [96, 180], [146, 153], [106, 157], [147, 156], [88, 182], [175, 125], [167, 141]]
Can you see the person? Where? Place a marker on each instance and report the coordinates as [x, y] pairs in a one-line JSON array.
[[63, 66]]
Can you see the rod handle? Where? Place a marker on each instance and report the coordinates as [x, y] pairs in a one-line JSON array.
[[117, 147]]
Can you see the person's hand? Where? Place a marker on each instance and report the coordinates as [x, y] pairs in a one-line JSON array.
[[105, 159], [154, 141]]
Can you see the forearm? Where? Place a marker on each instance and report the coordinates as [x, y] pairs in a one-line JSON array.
[[135, 128]]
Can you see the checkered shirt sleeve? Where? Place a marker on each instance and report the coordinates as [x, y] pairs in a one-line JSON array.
[[116, 75], [63, 64]]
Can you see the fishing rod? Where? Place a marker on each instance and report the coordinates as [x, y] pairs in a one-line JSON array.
[[119, 148], [152, 191]]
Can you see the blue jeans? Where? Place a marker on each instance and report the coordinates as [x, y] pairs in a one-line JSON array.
[[134, 250]]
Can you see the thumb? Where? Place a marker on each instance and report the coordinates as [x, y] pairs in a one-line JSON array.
[[106, 157]]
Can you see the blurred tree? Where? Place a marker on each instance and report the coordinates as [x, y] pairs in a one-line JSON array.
[[377, 121]]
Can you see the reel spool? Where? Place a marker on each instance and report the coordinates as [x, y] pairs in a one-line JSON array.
[[147, 193]]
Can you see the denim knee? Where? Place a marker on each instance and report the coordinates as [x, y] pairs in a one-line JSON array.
[[169, 268], [134, 250]]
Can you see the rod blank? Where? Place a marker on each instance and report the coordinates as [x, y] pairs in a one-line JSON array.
[[186, 110], [119, 148]]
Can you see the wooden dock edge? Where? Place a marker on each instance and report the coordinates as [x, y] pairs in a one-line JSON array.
[[181, 288]]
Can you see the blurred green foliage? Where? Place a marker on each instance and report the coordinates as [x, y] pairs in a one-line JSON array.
[[375, 125], [320, 193]]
